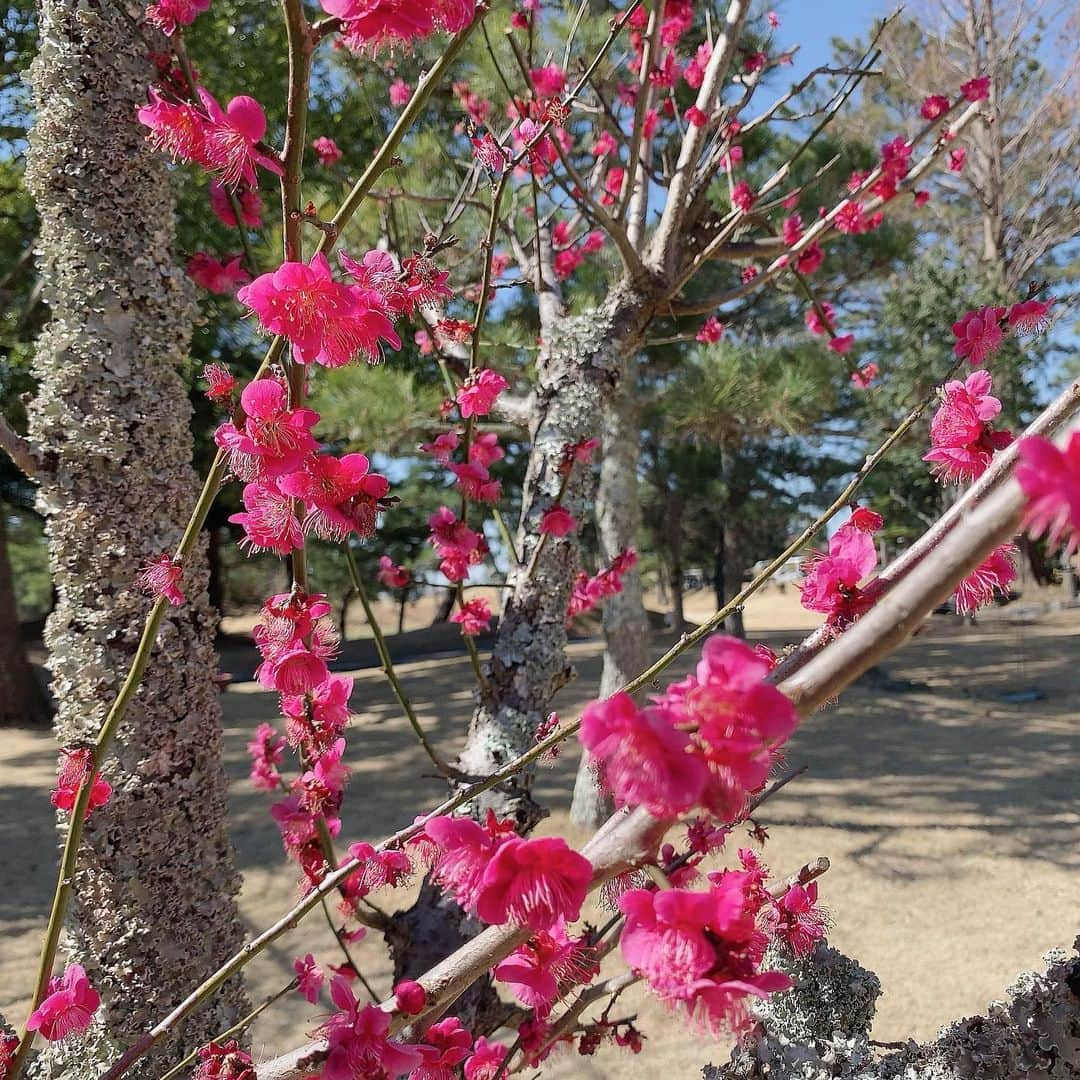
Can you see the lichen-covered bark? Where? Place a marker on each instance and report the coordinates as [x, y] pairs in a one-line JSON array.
[[577, 371], [820, 1030], [618, 519], [154, 898]]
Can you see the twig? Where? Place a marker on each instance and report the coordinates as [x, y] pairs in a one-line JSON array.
[[241, 1025], [388, 668]]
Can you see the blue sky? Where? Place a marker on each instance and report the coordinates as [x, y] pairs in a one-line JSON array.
[[812, 24]]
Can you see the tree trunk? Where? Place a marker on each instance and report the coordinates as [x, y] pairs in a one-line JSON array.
[[446, 606], [23, 701], [734, 572], [403, 601], [576, 370], [154, 906], [673, 529], [618, 518]]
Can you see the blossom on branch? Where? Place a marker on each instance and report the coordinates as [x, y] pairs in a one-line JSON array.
[[700, 951], [832, 582], [224, 1061], [474, 617], [70, 777], [992, 577], [1050, 479], [68, 1007], [169, 15], [161, 579], [327, 322], [962, 437], [215, 276]]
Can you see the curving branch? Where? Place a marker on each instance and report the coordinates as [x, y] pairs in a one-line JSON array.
[[628, 838], [27, 456]]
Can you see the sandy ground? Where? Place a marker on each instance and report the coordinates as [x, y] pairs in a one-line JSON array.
[[950, 815]]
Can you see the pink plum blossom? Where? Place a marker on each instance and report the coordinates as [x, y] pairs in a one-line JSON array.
[[557, 521], [474, 617], [309, 978], [70, 777], [68, 1007], [832, 582], [326, 150], [1050, 478], [962, 437], [533, 883], [161, 579], [645, 759], [326, 322], [991, 577], [476, 396], [169, 15], [216, 276]]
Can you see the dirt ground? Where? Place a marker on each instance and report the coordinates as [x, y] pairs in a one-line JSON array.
[[948, 808]]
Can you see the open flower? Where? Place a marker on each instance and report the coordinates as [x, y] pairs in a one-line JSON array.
[[474, 617], [645, 759], [341, 495], [169, 15], [833, 581], [230, 145], [533, 883], [557, 521], [991, 577], [978, 334], [962, 437], [1051, 480], [327, 322], [68, 1007]]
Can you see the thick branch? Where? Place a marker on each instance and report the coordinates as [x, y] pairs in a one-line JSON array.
[[666, 242]]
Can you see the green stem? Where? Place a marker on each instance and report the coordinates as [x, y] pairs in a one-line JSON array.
[[388, 666], [228, 1033], [508, 540], [384, 159], [77, 816], [470, 645]]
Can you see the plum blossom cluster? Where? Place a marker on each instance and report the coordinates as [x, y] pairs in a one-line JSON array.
[[962, 436], [500, 877], [371, 25], [226, 142], [708, 742], [980, 333], [590, 591], [297, 641], [702, 951], [835, 581]]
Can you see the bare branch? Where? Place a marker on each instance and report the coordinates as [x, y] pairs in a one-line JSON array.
[[28, 458], [665, 242]]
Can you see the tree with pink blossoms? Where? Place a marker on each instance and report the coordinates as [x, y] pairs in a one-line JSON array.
[[628, 172]]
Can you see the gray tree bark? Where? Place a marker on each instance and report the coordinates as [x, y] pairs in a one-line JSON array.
[[154, 899], [618, 519], [820, 1029], [577, 370]]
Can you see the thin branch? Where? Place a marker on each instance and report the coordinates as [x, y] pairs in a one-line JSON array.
[[388, 668], [28, 458]]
